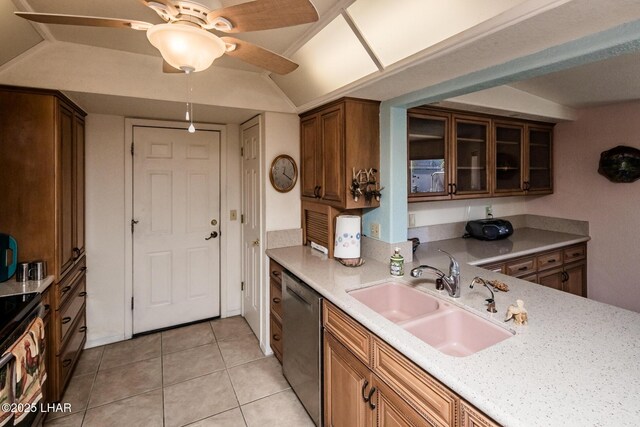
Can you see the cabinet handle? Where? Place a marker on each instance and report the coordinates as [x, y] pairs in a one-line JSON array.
[[83, 269], [276, 300], [364, 386], [576, 254], [523, 268], [65, 320], [369, 398], [82, 294], [449, 187], [66, 362], [76, 253], [319, 188], [65, 289], [455, 188], [82, 329], [565, 276], [551, 260], [47, 307], [276, 337], [276, 273]]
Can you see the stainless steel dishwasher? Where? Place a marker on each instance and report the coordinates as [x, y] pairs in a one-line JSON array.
[[301, 343]]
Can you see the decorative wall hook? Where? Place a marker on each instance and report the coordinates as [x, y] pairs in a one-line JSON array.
[[364, 183]]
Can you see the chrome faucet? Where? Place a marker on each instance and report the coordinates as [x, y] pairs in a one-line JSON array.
[[491, 302], [450, 282]]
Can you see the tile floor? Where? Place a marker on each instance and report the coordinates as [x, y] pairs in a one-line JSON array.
[[207, 374]]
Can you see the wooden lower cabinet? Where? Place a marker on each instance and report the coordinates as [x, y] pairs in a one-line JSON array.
[[275, 308], [382, 387], [347, 382], [564, 269]]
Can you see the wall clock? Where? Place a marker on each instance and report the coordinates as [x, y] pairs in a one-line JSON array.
[[284, 173]]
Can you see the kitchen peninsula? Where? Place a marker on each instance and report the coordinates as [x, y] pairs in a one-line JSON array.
[[573, 364]]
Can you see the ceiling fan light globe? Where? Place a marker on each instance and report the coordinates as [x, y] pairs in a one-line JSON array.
[[186, 47]]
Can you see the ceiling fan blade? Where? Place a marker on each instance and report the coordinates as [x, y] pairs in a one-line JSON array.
[[258, 56], [264, 15], [91, 21], [168, 68]]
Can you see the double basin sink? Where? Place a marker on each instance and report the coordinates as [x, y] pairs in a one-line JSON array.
[[444, 326]]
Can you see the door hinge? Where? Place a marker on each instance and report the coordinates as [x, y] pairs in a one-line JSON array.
[[242, 286], [133, 224], [241, 151], [132, 148], [131, 303], [241, 218]]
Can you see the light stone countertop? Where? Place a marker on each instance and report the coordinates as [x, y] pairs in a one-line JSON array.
[[12, 287], [576, 362]]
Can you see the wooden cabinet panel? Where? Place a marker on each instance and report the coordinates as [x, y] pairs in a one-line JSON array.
[[63, 289], [471, 155], [70, 312], [521, 267], [575, 279], [549, 260], [276, 299], [276, 338], [574, 253], [351, 333], [310, 157], [393, 411], [539, 159], [347, 382], [419, 389], [332, 137], [79, 187], [68, 356], [508, 143], [471, 417], [66, 199], [275, 296], [551, 279]]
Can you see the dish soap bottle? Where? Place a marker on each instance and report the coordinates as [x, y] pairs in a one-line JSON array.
[[396, 266]]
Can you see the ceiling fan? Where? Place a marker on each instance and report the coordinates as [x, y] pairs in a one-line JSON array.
[[185, 40]]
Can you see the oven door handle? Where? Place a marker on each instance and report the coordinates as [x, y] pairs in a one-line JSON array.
[[296, 295], [6, 359]]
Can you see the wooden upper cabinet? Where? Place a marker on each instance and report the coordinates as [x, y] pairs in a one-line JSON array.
[[471, 157], [336, 140], [508, 139], [311, 159], [539, 160], [65, 186], [79, 187], [457, 155]]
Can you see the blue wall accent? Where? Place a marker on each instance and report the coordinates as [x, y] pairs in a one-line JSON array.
[[392, 215]]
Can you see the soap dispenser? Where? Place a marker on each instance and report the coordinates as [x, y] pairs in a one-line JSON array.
[[396, 266]]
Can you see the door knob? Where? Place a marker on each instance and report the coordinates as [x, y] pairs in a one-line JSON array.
[[213, 235], [256, 242]]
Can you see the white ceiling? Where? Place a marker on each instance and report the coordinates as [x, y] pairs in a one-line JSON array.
[[529, 26]]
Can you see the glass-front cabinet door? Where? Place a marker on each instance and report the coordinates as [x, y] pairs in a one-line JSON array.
[[539, 159], [471, 145], [509, 154], [428, 149]]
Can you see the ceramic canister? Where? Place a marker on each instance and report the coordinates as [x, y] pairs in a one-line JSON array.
[[347, 238]]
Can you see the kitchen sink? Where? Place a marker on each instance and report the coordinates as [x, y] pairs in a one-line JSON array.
[[444, 326], [396, 302]]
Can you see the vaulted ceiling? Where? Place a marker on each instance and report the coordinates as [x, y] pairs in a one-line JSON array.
[[379, 49]]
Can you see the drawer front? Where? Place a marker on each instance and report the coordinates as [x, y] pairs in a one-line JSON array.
[[549, 260], [65, 286], [276, 338], [575, 253], [355, 337], [73, 308], [275, 271], [521, 267], [416, 387], [276, 299], [497, 267], [67, 358]]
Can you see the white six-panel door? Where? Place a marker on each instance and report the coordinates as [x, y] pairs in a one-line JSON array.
[[176, 203], [251, 209]]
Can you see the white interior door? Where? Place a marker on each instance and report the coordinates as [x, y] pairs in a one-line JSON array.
[[251, 209], [176, 203]]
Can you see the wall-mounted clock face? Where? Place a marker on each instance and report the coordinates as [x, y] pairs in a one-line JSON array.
[[284, 173]]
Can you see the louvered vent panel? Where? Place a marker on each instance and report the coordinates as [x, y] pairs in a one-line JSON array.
[[317, 225]]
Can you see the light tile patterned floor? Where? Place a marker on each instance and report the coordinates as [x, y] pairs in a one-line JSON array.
[[203, 375]]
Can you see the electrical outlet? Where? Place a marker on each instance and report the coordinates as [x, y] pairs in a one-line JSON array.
[[488, 211], [233, 215], [375, 230], [412, 220]]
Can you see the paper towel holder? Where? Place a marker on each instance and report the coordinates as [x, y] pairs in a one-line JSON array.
[[347, 240]]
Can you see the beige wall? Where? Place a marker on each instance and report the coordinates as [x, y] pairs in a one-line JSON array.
[[613, 210]]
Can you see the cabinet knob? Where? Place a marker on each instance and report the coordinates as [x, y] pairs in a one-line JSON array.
[[276, 300], [65, 289], [82, 294], [65, 320], [276, 337], [82, 329], [66, 362]]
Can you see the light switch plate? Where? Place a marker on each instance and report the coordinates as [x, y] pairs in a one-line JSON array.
[[375, 230], [233, 215]]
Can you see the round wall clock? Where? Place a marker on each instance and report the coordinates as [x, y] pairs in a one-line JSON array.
[[284, 173]]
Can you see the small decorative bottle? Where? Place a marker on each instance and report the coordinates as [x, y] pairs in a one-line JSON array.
[[396, 265]]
